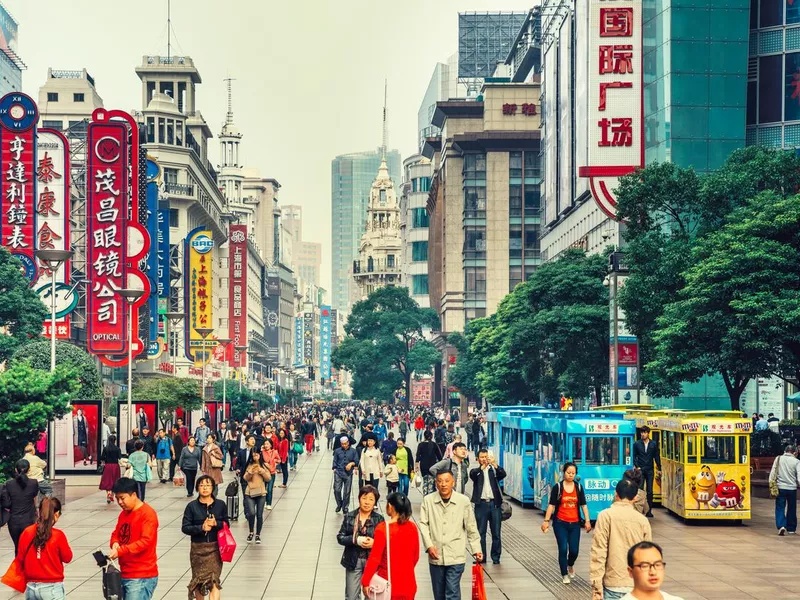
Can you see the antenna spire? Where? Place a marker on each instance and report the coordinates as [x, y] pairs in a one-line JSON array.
[[385, 130], [229, 118], [169, 28]]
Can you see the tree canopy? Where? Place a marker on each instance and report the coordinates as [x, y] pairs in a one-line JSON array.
[[22, 314], [37, 353], [170, 392]]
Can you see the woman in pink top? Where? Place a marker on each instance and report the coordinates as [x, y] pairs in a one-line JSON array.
[[271, 460]]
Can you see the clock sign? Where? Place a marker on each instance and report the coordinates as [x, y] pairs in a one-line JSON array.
[[18, 112]]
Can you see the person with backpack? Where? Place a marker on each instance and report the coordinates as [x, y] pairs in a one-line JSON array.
[[44, 552], [567, 501]]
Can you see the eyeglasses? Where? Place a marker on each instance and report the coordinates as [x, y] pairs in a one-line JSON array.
[[646, 566]]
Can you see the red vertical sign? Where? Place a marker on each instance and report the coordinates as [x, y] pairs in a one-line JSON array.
[[237, 261], [106, 248]]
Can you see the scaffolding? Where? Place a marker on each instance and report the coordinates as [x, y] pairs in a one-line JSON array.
[[485, 39]]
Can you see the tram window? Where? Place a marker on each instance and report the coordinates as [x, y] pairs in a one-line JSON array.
[[577, 450], [626, 450], [678, 446], [655, 435], [719, 449], [529, 438], [667, 451], [559, 447], [691, 449], [743, 458], [602, 451]]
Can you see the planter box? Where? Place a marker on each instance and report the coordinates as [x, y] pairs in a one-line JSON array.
[[60, 490], [762, 463]]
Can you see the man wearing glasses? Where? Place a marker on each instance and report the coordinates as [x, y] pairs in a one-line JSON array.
[[646, 566]]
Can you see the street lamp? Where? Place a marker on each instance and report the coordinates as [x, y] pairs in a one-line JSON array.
[[52, 259], [131, 296], [204, 332], [174, 318], [224, 343], [239, 350]]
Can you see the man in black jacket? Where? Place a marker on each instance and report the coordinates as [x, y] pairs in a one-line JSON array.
[[487, 499], [645, 453], [242, 460]]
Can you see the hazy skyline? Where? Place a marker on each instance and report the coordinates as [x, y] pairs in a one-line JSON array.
[[309, 75]]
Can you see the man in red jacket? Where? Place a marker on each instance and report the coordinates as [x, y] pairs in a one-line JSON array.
[[134, 542]]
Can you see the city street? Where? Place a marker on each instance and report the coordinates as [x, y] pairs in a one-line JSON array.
[[300, 557]]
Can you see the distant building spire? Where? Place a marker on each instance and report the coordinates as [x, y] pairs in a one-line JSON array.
[[385, 128], [229, 118]]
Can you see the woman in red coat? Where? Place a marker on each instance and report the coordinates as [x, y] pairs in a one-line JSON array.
[[283, 452], [403, 550]]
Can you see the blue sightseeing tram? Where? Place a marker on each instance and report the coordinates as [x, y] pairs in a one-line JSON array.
[[494, 438], [536, 446]]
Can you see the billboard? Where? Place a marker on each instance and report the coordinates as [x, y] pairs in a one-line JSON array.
[[325, 342], [308, 338], [298, 341], [484, 39], [52, 220], [615, 105], [198, 287], [8, 30], [18, 117], [272, 319], [237, 259]]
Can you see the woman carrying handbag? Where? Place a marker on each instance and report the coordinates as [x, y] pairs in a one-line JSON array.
[[386, 578]]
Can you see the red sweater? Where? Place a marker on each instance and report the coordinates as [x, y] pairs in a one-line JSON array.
[[47, 565], [137, 536], [283, 449], [404, 550]]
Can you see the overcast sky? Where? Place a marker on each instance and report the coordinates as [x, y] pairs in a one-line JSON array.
[[309, 74]]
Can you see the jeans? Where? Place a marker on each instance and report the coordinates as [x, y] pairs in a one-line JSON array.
[[352, 580], [486, 513], [446, 581], [45, 591], [139, 589], [172, 464], [568, 538], [391, 486], [609, 595], [419, 434], [648, 476], [232, 452], [341, 490], [254, 509], [270, 485], [372, 480], [162, 464], [285, 472], [786, 509], [292, 459], [404, 482], [190, 475], [142, 487]]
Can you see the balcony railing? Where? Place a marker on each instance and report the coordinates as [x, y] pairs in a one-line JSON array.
[[179, 189], [375, 266]]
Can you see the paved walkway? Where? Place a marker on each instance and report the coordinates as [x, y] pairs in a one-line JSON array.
[[299, 558]]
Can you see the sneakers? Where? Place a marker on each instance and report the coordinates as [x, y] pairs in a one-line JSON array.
[[782, 531], [571, 573], [250, 537], [269, 506], [792, 532], [281, 486], [258, 539], [649, 514], [566, 580]]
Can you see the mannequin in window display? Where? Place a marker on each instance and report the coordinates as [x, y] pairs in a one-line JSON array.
[[142, 416], [80, 436]]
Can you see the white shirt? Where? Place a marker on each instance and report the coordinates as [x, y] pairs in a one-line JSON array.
[[486, 492], [664, 595]]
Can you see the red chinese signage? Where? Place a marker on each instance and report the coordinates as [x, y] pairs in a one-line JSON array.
[[527, 109], [237, 261], [616, 131]]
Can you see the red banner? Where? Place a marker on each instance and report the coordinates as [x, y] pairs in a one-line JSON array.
[[106, 248], [237, 261]]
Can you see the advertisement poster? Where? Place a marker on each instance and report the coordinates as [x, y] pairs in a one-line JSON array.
[[719, 493], [145, 414], [78, 438], [198, 286], [237, 256]]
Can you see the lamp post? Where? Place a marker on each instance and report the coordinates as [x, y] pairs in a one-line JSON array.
[[239, 350], [174, 318], [131, 296], [204, 332], [53, 260], [224, 343]]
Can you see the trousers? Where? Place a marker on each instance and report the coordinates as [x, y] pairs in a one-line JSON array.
[[45, 591], [568, 538], [786, 509], [446, 581], [342, 485], [352, 580], [489, 516], [254, 506], [648, 476], [162, 464]]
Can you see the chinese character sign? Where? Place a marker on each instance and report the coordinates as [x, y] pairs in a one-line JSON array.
[[198, 287], [308, 338], [52, 213], [271, 309], [152, 261], [298, 341], [106, 247], [615, 110], [325, 342], [237, 262], [18, 227]]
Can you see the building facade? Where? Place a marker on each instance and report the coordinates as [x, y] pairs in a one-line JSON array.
[[351, 182], [67, 99], [443, 85], [418, 172]]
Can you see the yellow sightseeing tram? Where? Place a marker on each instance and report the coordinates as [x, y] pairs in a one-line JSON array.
[[705, 459]]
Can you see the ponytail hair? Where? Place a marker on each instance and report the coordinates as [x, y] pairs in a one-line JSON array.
[[22, 467], [401, 505], [48, 509]]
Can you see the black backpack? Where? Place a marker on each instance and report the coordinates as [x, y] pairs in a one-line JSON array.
[[232, 489]]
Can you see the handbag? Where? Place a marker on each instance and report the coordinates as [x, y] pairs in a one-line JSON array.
[[100, 468], [773, 481], [380, 588], [15, 577], [505, 510], [227, 545], [297, 448], [179, 479], [216, 463], [112, 582]]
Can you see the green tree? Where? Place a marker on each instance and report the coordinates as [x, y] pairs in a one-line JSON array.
[[171, 393], [385, 344], [22, 313], [37, 353], [29, 399], [463, 374]]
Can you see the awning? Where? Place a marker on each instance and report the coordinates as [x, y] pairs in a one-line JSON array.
[[794, 398]]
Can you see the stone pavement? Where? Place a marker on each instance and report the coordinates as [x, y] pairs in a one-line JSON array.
[[299, 558]]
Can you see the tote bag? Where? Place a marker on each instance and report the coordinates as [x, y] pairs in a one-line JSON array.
[[227, 545]]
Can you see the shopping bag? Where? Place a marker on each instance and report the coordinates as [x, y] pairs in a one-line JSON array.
[[112, 583], [180, 479], [15, 577], [227, 545], [478, 588]]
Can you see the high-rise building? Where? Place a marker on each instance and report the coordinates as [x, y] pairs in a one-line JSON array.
[[418, 171], [11, 66], [443, 85], [306, 256], [351, 182]]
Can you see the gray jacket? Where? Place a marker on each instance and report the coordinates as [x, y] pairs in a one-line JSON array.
[[190, 461], [448, 464], [787, 468]]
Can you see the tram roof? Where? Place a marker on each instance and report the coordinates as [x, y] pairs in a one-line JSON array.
[[624, 407], [706, 422]]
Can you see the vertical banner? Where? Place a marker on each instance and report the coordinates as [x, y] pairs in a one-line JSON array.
[[198, 259], [298, 341], [237, 262], [308, 338], [151, 262], [106, 247], [52, 222], [334, 328], [18, 117], [325, 342], [272, 307]]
